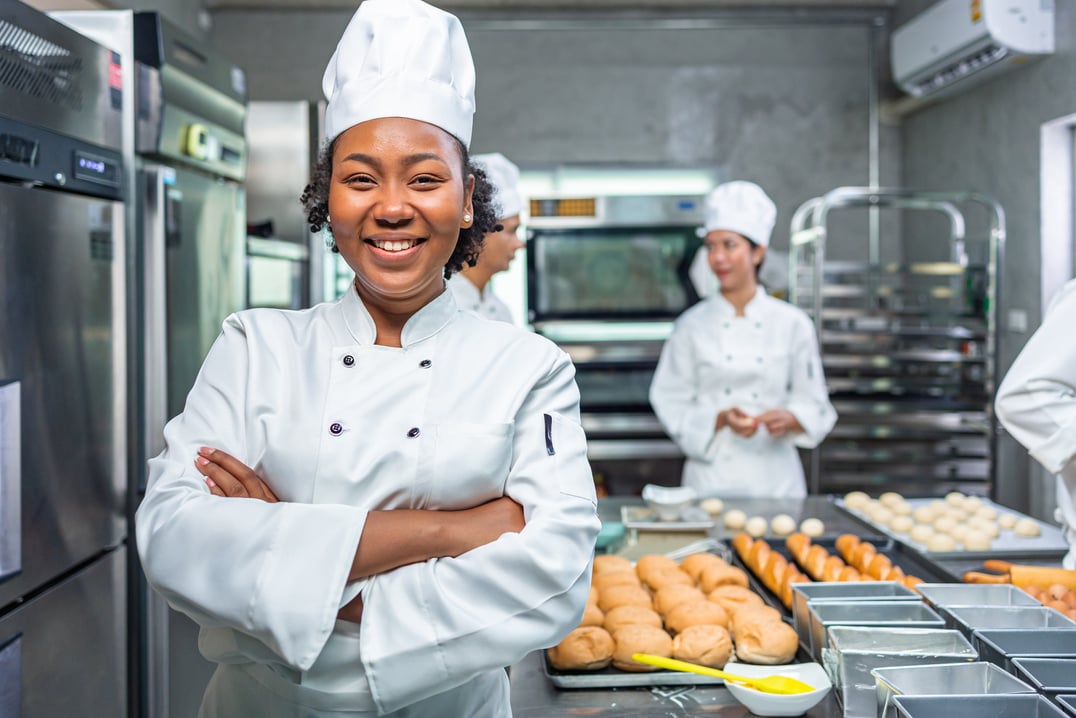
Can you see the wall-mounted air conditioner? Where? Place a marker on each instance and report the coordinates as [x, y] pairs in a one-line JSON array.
[[956, 43]]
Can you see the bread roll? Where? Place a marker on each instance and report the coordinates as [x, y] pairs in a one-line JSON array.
[[902, 509], [630, 616], [733, 598], [696, 563], [696, 613], [941, 542], [593, 597], [902, 524], [585, 649], [712, 506], [652, 563], [856, 499], [592, 616], [943, 524], [756, 526], [602, 581], [706, 645], [924, 514], [639, 639], [610, 562], [766, 642], [1027, 528], [782, 524], [1006, 521], [921, 533], [722, 576], [954, 498], [615, 596], [751, 615], [669, 597], [976, 540], [890, 498], [986, 512], [658, 579]]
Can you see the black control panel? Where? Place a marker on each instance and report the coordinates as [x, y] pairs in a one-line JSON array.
[[42, 157]]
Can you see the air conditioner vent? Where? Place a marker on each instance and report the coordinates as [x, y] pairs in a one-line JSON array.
[[990, 55], [34, 66]]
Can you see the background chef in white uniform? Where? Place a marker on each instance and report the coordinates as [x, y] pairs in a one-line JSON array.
[[372, 506], [1036, 403], [739, 384], [471, 284]]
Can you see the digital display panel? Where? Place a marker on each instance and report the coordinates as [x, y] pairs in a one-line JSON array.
[[96, 169]]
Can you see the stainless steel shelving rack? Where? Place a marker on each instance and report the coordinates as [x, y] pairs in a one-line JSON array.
[[908, 348]]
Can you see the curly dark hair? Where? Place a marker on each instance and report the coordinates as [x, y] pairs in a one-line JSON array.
[[315, 199]]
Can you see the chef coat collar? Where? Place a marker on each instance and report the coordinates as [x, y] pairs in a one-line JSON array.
[[753, 309], [422, 325]]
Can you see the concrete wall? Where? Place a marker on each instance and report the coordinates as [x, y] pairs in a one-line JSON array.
[[786, 106], [987, 139]]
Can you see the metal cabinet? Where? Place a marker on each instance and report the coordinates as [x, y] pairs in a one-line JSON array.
[[908, 348]]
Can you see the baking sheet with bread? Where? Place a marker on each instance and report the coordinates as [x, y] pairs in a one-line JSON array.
[[701, 609]]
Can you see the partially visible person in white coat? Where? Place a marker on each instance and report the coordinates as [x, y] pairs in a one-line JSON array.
[[471, 284], [739, 384], [1036, 403], [372, 506]]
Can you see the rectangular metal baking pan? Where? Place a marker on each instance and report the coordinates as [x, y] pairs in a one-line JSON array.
[[1017, 706], [979, 678], [943, 595]]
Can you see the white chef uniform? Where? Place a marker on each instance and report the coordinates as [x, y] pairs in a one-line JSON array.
[[483, 303], [466, 411], [766, 359], [1036, 403]]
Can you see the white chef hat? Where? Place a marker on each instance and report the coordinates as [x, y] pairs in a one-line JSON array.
[[743, 208], [504, 175], [401, 58]]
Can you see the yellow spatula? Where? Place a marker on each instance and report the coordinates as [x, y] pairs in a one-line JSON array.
[[768, 684]]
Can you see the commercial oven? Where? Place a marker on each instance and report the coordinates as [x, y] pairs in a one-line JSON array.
[[606, 277]]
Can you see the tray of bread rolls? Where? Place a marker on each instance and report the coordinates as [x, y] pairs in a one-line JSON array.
[[957, 526], [699, 609]]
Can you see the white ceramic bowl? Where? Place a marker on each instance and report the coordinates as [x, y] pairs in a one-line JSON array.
[[773, 704], [668, 501]]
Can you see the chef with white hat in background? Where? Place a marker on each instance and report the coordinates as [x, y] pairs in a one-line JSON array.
[[375, 505], [739, 384], [471, 284]]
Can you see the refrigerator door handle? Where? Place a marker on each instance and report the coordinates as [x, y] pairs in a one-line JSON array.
[[155, 233], [10, 480], [11, 677]]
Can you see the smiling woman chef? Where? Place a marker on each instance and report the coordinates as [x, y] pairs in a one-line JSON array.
[[420, 511], [739, 384]]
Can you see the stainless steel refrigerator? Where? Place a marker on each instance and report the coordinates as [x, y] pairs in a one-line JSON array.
[[184, 138], [63, 554]]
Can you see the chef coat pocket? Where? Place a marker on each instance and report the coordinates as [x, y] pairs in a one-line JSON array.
[[569, 443], [470, 464]]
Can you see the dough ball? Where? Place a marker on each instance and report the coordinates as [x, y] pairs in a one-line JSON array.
[[706, 645], [902, 524], [1006, 521], [921, 533], [973, 504], [639, 639], [976, 540], [696, 613], [813, 527], [939, 506], [959, 532], [696, 563], [733, 598], [890, 498], [941, 542], [954, 498], [735, 519], [585, 649], [1028, 528], [712, 506], [902, 508], [986, 512], [669, 597], [615, 596], [602, 581], [944, 524], [630, 616], [988, 527], [756, 526], [856, 499], [782, 524], [592, 616], [923, 514], [958, 515], [606, 562]]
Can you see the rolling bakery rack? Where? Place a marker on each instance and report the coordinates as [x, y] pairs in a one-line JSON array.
[[908, 348]]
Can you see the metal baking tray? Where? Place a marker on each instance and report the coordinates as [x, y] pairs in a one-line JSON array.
[[1050, 542], [889, 614], [614, 678], [963, 679], [1051, 676], [1068, 703], [968, 619], [1003, 706], [943, 595], [840, 592], [642, 518], [1002, 645]]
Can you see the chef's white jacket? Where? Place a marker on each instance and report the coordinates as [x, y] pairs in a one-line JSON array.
[[466, 411], [766, 359], [484, 303], [1036, 403]]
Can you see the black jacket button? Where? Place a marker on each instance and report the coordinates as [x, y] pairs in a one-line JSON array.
[[336, 428], [349, 360], [413, 432], [425, 363]]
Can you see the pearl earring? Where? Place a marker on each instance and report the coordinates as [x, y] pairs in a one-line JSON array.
[[467, 217]]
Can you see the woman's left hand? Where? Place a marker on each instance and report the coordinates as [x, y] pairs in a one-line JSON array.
[[226, 476], [779, 422]]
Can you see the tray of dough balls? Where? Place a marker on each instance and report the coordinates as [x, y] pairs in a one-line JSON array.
[[957, 526], [701, 609]]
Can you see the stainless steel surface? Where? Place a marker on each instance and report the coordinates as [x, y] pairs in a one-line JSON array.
[[620, 211], [803, 593], [10, 479], [642, 518], [968, 619], [977, 678], [620, 449], [943, 595], [824, 615], [856, 651], [1049, 675], [1000, 646], [68, 646], [1002, 706]]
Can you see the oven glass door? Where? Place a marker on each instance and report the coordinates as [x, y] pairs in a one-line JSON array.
[[620, 273]]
